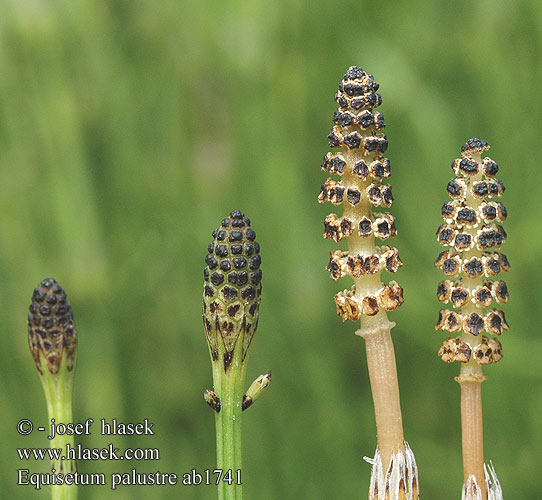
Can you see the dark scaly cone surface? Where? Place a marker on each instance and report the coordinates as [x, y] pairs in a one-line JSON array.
[[51, 330], [473, 232], [52, 339], [231, 299], [363, 168], [232, 287]]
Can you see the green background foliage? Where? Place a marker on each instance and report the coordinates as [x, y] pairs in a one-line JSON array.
[[129, 129]]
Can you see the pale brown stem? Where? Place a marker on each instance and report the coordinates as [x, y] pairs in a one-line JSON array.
[[472, 428], [384, 386]]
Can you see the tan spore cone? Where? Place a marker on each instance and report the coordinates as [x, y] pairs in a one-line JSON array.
[[363, 170], [472, 263]]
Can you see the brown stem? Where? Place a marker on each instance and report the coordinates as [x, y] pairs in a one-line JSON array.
[[384, 386], [472, 427]]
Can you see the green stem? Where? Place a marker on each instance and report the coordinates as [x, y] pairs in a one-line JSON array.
[[58, 394], [228, 425]]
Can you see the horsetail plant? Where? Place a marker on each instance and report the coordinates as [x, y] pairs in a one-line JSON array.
[[53, 343], [363, 168], [231, 300], [472, 232]]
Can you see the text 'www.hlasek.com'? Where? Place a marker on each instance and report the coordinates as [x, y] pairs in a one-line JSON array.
[[64, 458]]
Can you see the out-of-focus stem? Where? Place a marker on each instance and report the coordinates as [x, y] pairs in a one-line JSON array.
[[58, 394], [52, 339]]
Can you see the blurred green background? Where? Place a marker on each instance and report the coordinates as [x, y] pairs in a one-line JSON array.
[[129, 129]]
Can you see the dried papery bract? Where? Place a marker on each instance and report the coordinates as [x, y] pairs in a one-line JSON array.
[[52, 339], [363, 170], [231, 300], [471, 490], [473, 235], [400, 480]]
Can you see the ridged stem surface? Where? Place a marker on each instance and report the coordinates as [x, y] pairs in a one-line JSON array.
[[472, 429], [385, 390], [58, 394], [229, 388], [231, 299]]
